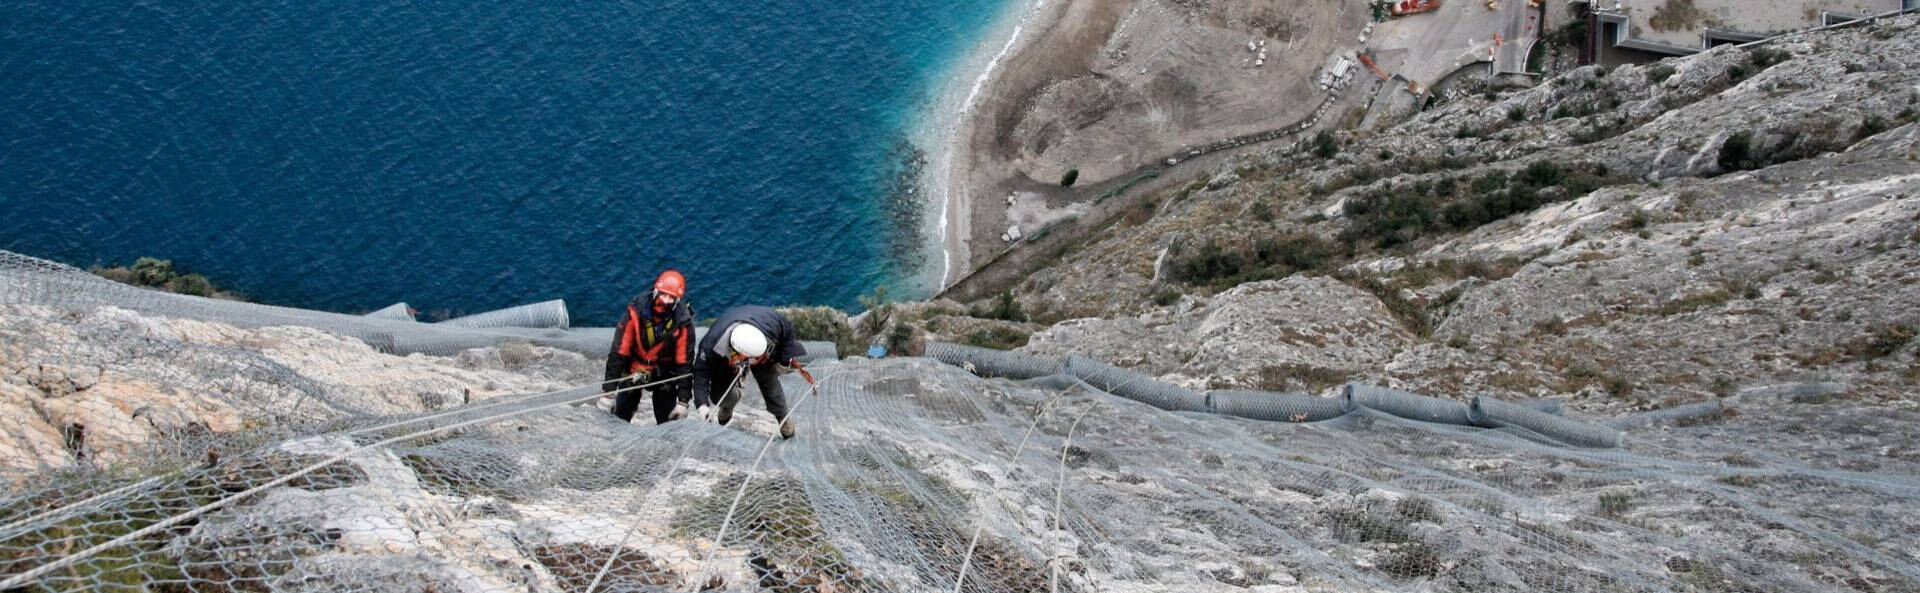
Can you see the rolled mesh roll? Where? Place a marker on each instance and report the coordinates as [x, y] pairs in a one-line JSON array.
[[1272, 406], [988, 362], [1404, 404], [545, 314], [395, 312], [1135, 386], [1492, 413]]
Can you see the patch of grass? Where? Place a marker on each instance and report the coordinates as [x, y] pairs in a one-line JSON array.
[[1660, 73], [997, 338], [1004, 307], [1412, 316], [1416, 560], [1418, 509], [466, 473], [1880, 342], [1741, 480], [1695, 302], [1296, 376], [1165, 297], [1395, 216], [1271, 257], [576, 566], [1616, 504], [1619, 387], [1357, 525]]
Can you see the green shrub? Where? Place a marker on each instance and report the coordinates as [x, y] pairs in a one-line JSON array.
[[1660, 73], [1736, 154], [1273, 257], [900, 338], [1165, 297], [997, 338], [1325, 146], [159, 274], [1261, 211], [1418, 509], [1765, 57], [1517, 114], [1069, 178], [1614, 505], [824, 324], [1880, 343], [1004, 307]]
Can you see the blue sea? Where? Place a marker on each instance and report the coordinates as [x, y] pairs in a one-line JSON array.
[[463, 155]]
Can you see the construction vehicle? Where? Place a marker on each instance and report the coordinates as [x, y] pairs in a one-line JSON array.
[[1407, 7]]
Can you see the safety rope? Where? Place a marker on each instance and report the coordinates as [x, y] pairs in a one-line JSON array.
[[1059, 492], [111, 494], [606, 567], [966, 560], [706, 565], [28, 576]]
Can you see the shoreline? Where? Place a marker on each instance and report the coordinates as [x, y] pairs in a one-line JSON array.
[[945, 129]]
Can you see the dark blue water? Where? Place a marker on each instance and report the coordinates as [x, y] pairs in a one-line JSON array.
[[468, 154]]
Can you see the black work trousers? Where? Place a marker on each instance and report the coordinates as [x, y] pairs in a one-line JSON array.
[[767, 376], [665, 396]]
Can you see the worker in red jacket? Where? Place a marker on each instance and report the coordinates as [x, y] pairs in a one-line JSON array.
[[653, 342]]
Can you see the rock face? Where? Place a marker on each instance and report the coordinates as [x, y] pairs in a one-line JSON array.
[[109, 386], [1293, 326], [1630, 237]]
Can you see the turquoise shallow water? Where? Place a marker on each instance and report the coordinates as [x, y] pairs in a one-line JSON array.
[[465, 155]]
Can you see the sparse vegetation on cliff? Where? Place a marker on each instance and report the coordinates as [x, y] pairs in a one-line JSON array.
[[159, 274]]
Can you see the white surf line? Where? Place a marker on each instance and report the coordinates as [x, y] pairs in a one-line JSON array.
[[966, 109]]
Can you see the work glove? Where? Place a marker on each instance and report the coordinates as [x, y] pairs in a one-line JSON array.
[[705, 413]]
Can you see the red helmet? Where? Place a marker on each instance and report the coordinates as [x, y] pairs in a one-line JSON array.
[[671, 283]]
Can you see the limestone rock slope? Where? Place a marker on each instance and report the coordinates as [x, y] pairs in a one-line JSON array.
[[107, 386], [1630, 238]]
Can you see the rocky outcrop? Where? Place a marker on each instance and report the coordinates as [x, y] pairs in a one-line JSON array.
[[1630, 237], [109, 386]]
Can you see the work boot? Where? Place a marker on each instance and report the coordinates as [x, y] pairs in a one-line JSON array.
[[786, 428], [725, 413]]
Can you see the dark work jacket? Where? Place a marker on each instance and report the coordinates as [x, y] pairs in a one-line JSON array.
[[667, 347], [783, 346]]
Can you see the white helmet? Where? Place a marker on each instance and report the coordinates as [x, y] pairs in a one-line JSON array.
[[747, 340]]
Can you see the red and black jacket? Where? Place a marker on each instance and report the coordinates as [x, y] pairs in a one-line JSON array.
[[649, 341]]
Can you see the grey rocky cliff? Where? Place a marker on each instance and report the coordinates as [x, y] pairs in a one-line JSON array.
[[106, 385], [1752, 217]]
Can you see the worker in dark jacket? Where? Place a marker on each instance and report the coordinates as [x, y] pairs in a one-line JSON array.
[[653, 342], [751, 338]]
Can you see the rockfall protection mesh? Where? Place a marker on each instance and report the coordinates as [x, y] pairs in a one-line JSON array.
[[909, 475]]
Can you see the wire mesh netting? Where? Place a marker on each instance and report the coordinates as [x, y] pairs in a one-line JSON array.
[[240, 471]]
